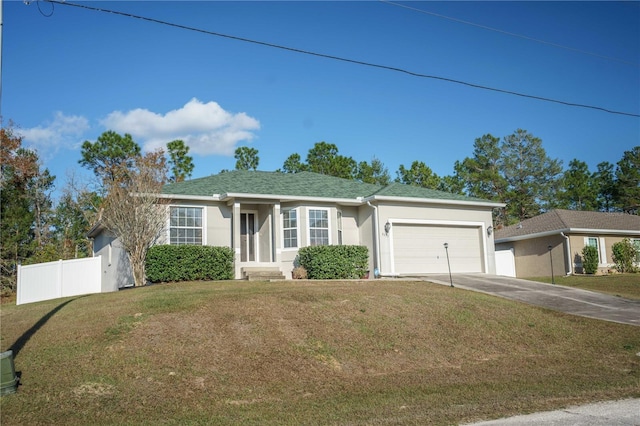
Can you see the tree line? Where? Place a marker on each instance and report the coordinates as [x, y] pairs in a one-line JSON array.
[[514, 170]]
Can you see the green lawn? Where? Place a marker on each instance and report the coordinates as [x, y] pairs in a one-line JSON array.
[[622, 285], [303, 352]]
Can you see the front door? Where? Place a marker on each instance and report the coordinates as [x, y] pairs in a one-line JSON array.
[[247, 237]]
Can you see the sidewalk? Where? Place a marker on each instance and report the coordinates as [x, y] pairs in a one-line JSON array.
[[612, 413]]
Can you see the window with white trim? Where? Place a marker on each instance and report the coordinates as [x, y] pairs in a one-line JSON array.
[[593, 242], [185, 225], [318, 227], [339, 227], [290, 228]]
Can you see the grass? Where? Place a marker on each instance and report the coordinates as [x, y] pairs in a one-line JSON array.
[[621, 285], [303, 352]]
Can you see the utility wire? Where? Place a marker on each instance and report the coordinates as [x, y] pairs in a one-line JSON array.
[[573, 49], [338, 58]]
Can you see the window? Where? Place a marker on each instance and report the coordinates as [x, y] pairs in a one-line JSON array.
[[339, 226], [636, 245], [185, 225], [318, 227], [290, 228], [593, 242]]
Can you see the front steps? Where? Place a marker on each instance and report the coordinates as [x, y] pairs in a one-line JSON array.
[[261, 273]]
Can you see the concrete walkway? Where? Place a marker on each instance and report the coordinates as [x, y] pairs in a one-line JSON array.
[[611, 413], [560, 298]]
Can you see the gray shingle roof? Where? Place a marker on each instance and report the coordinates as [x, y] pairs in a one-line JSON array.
[[303, 184], [565, 220]]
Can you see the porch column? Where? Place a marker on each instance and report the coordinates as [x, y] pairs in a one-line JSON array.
[[277, 231], [235, 238]]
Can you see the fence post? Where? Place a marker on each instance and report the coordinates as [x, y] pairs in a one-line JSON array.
[[18, 285], [60, 277]]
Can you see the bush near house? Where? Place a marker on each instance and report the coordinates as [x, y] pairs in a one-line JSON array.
[[334, 262], [590, 259], [167, 263], [624, 255]]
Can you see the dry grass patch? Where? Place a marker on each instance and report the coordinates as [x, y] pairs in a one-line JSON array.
[[308, 353], [621, 285]]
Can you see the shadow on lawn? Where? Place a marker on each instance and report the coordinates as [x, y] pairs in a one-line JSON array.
[[22, 340]]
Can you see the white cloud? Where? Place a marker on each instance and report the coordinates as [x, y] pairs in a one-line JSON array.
[[205, 127], [63, 131]]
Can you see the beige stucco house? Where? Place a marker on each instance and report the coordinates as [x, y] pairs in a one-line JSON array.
[[558, 237], [266, 217]]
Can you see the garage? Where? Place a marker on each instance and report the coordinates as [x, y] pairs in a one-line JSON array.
[[418, 248]]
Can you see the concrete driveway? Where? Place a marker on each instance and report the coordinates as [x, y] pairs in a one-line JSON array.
[[559, 298]]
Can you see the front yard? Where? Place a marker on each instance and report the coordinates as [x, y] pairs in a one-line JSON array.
[[622, 285], [306, 352]]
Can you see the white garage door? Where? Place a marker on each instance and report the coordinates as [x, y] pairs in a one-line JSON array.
[[419, 249]]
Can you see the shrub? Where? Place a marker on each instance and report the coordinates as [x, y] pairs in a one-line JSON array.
[[167, 263], [334, 262], [624, 254], [299, 273], [590, 259]]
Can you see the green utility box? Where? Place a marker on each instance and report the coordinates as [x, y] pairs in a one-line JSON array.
[[8, 377]]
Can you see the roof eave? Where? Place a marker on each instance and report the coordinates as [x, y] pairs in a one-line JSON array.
[[435, 201], [567, 231]]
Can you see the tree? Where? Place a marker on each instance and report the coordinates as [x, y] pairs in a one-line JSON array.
[[418, 175], [107, 154], [323, 158], [579, 188], [482, 175], [375, 172], [74, 215], [453, 184], [628, 181], [24, 205], [246, 158], [293, 164], [132, 210], [180, 162], [605, 182], [532, 177]]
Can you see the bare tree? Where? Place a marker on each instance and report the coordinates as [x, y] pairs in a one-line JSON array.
[[133, 211]]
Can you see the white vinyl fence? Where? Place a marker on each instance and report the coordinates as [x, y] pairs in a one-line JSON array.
[[63, 278]]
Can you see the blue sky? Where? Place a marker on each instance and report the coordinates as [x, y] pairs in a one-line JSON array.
[[69, 74]]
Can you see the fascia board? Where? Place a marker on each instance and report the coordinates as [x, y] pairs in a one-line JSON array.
[[568, 231], [434, 201], [284, 198]]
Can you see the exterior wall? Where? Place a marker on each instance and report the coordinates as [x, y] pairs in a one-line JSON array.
[[115, 266], [605, 248], [532, 256], [367, 236], [218, 225], [452, 214]]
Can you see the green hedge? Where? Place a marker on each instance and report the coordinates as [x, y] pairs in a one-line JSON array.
[[334, 262], [590, 259], [168, 263]]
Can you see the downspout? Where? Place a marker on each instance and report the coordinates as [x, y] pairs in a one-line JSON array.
[[376, 239], [568, 250]]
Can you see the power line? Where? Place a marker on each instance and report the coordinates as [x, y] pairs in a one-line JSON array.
[[573, 49], [338, 58]]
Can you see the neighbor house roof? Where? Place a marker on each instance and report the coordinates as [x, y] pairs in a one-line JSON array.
[[556, 221], [303, 185]]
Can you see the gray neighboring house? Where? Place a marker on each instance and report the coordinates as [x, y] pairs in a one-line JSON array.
[[566, 232], [266, 217]]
